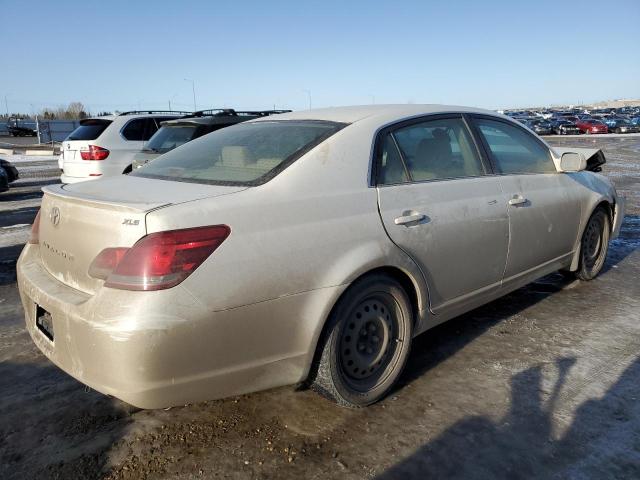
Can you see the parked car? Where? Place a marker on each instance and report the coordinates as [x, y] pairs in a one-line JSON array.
[[561, 126], [19, 127], [8, 174], [173, 133], [621, 125], [634, 118], [105, 146], [592, 126], [541, 127], [308, 248]]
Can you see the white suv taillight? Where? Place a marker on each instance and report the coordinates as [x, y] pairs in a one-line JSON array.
[[94, 153], [159, 260]]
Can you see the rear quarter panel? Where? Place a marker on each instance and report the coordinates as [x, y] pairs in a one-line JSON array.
[[315, 225]]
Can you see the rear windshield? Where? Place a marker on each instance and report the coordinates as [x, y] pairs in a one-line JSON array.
[[243, 154], [168, 138], [89, 130]]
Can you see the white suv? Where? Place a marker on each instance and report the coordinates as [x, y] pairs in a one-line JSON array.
[[105, 146]]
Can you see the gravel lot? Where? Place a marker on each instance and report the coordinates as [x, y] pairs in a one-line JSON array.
[[543, 383]]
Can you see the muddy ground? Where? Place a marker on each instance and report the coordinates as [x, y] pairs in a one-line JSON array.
[[543, 383]]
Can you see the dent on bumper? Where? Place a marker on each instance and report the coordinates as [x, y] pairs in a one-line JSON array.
[[153, 351]]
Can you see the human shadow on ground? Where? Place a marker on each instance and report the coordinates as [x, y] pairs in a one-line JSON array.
[[602, 441]]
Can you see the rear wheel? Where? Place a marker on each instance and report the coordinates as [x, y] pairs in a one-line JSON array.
[[594, 245], [587, 131], [366, 344], [618, 130]]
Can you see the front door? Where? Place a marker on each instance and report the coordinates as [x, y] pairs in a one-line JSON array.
[[543, 204]]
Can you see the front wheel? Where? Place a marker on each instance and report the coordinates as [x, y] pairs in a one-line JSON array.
[[594, 245], [366, 344]]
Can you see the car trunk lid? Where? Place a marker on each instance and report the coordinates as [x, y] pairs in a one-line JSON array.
[[78, 221]]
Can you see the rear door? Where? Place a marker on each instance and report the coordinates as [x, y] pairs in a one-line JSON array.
[[543, 204], [439, 206]]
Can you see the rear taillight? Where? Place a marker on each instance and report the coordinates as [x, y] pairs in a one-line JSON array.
[[94, 153], [159, 260], [35, 230]]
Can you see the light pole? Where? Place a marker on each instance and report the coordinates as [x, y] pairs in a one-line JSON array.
[[193, 89], [6, 105], [309, 95]]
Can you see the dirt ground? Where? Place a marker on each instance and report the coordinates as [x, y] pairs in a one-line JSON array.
[[543, 383]]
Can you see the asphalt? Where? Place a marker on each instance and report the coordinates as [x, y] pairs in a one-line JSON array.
[[543, 383]]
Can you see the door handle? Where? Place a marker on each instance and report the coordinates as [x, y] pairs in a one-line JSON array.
[[403, 220], [518, 200]]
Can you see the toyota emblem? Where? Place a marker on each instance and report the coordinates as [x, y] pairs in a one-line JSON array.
[[54, 216]]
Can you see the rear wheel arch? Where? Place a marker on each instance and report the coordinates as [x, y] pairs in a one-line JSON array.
[[408, 284]]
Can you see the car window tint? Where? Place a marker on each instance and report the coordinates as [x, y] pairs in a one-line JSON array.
[[392, 169], [135, 130], [438, 149], [239, 155], [515, 150], [89, 130], [170, 137]]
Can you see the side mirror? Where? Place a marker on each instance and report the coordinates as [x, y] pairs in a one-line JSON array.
[[572, 162]]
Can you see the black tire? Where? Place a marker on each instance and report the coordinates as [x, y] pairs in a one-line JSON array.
[[127, 170], [594, 245], [617, 130], [366, 343]]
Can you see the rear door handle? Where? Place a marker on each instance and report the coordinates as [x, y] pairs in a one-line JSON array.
[[403, 220], [517, 200]]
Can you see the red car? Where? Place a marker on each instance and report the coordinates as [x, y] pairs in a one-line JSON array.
[[592, 126]]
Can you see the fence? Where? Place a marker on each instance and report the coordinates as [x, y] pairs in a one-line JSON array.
[[56, 130], [48, 130]]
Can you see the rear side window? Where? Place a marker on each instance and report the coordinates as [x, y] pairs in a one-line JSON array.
[[89, 130], [244, 154], [430, 150], [515, 150], [135, 129]]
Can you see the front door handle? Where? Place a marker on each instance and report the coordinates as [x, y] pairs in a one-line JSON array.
[[403, 220], [518, 200]]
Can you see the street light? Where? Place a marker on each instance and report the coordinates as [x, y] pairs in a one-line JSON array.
[[309, 94], [193, 89]]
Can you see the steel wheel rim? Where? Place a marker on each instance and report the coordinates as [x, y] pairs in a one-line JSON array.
[[592, 244], [369, 341]]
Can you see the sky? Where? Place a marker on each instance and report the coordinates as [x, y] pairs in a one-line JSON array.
[[259, 54]]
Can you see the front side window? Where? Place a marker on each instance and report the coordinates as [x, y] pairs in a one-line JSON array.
[[244, 154], [515, 150], [430, 150]]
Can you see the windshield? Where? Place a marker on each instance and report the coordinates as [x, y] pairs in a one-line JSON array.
[[170, 137], [244, 154]]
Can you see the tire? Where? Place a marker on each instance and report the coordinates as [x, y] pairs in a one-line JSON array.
[[594, 245], [617, 130], [127, 170], [366, 343], [587, 132]]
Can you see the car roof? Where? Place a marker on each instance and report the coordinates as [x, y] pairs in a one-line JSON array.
[[382, 113]]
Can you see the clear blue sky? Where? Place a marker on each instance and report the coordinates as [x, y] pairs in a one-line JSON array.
[[254, 54]]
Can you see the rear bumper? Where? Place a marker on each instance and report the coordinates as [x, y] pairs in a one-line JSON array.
[[69, 179], [159, 349]]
